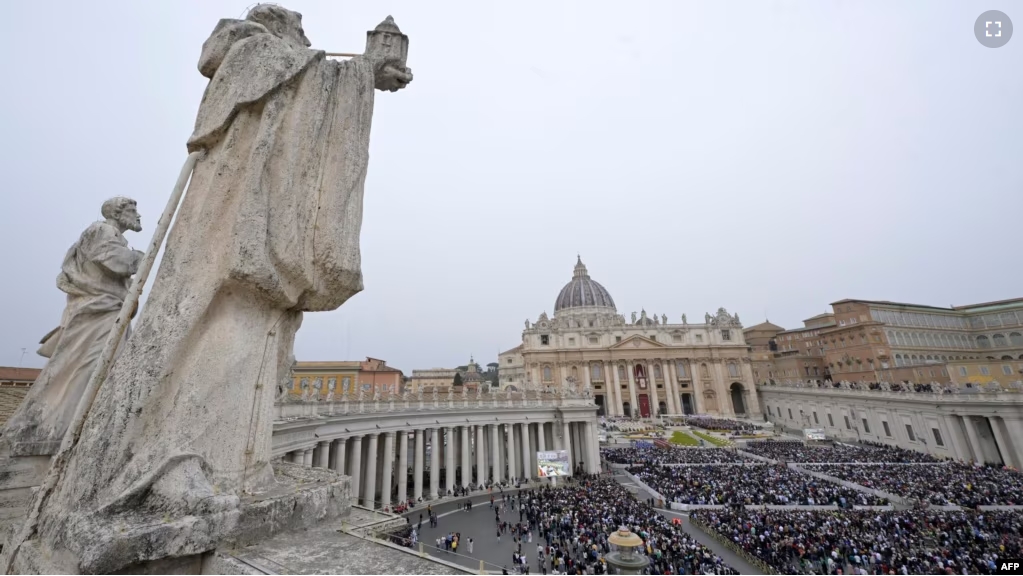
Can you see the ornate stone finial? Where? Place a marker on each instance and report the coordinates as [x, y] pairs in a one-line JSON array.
[[527, 323], [580, 269]]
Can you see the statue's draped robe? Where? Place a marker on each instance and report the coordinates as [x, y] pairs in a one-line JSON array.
[[96, 274], [269, 227]]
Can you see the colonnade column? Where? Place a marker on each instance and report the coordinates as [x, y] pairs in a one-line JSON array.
[[566, 437], [434, 462], [356, 469], [307, 457], [481, 461], [339, 455], [511, 452], [385, 484], [1004, 445], [527, 461], [323, 455], [971, 435], [402, 470], [466, 460], [1015, 429], [370, 488], [449, 460], [418, 459], [496, 466], [633, 406]]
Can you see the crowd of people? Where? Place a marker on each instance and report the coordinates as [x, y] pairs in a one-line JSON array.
[[572, 525], [752, 484], [937, 484], [711, 423], [673, 455], [869, 542], [797, 451]]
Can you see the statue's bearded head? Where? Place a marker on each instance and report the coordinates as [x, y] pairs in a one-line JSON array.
[[281, 22], [122, 212]]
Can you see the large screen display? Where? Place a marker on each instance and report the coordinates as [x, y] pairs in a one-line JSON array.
[[553, 463]]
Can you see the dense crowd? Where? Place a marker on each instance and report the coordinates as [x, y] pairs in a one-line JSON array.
[[752, 484], [938, 484], [573, 524], [797, 451], [673, 455], [871, 542], [711, 423]]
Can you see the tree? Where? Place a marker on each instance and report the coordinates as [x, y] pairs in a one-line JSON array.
[[458, 379]]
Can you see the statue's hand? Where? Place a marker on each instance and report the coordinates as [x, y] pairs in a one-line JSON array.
[[392, 78]]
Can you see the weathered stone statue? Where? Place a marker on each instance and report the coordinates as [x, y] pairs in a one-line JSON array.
[[664, 318], [95, 275], [268, 229], [287, 379], [684, 323], [633, 317]]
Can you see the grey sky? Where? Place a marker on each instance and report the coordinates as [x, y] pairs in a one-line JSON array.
[[764, 156]]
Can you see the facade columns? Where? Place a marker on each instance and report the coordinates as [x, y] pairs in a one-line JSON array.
[[669, 387], [566, 438], [1004, 445], [655, 403], [497, 466], [449, 460], [481, 461], [356, 469], [541, 437], [592, 453], [466, 461], [1014, 428], [370, 488], [434, 462], [323, 454], [527, 459], [609, 391], [307, 457], [387, 481], [618, 390], [511, 452], [402, 470], [633, 406], [418, 459]]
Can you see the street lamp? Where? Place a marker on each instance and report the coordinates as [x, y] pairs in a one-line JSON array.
[[625, 557]]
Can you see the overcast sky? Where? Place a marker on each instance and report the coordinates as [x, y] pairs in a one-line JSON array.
[[770, 157]]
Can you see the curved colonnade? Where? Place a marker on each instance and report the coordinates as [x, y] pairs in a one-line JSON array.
[[494, 438]]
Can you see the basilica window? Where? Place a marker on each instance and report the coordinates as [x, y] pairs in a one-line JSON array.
[[621, 374], [733, 371], [594, 340], [726, 335], [547, 375], [681, 367], [699, 337], [545, 340], [595, 372], [571, 341], [983, 342], [657, 370], [999, 340], [703, 371], [676, 337]]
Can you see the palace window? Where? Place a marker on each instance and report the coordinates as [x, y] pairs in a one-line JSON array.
[[1007, 370], [962, 370], [985, 371]]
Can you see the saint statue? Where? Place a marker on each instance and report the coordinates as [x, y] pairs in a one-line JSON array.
[[633, 317], [664, 318], [95, 275], [268, 229], [684, 322]]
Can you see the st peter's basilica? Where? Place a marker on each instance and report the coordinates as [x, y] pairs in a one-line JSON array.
[[645, 366]]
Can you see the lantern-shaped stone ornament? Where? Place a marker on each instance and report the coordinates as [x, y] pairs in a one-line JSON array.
[[386, 42]]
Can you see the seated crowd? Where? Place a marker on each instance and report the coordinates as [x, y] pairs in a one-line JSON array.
[[797, 451], [871, 542], [753, 484], [711, 423], [950, 483], [673, 455], [575, 522]]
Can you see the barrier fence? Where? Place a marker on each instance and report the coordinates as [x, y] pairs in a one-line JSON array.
[[733, 547]]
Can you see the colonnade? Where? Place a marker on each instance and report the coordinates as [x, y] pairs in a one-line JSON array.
[[384, 473]]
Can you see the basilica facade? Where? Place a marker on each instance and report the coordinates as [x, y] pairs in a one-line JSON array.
[[643, 367]]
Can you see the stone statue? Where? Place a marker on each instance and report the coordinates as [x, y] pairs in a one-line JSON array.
[[331, 386], [376, 395], [684, 322], [633, 317], [527, 323], [656, 320], [303, 385], [95, 275], [361, 397], [287, 380], [317, 389], [735, 318], [664, 318], [706, 318], [465, 392], [419, 394], [268, 229], [451, 393]]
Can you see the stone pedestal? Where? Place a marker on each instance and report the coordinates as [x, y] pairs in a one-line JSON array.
[[301, 497], [19, 478]]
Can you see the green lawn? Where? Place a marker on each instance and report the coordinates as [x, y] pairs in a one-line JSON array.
[[712, 439], [682, 439]]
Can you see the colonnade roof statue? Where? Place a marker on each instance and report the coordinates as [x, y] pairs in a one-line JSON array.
[[268, 229]]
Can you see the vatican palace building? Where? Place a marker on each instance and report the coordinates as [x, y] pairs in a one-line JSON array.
[[646, 366]]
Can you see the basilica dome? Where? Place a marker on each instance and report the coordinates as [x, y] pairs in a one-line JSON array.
[[583, 292]]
